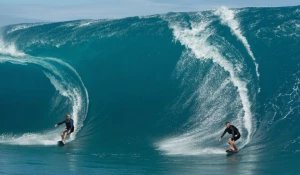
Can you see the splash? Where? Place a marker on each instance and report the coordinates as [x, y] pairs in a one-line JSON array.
[[228, 18], [9, 49]]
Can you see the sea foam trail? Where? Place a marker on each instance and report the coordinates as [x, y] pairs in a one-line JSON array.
[[194, 38], [227, 17], [66, 81]]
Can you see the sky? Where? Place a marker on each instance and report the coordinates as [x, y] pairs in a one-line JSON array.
[[24, 11]]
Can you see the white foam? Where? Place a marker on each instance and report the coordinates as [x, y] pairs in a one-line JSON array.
[[227, 17], [9, 49], [194, 141], [56, 84], [23, 26], [88, 23], [187, 150], [31, 139], [68, 83]]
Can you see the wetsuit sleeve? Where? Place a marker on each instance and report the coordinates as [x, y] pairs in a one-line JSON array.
[[224, 133], [61, 122]]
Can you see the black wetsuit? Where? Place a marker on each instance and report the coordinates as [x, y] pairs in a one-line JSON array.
[[69, 124], [234, 131]]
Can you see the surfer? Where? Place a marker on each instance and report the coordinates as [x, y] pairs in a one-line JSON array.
[[235, 135], [69, 127]]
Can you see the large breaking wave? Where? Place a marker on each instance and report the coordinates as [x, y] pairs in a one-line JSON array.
[[172, 80]]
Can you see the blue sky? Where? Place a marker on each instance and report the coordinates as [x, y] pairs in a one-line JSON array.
[[17, 11]]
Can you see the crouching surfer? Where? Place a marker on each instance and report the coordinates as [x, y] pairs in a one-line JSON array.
[[235, 136], [69, 127]]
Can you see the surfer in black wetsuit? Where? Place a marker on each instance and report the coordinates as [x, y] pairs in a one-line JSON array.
[[69, 127], [235, 135]]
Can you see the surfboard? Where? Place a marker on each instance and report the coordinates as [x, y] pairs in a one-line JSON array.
[[60, 143], [229, 151]]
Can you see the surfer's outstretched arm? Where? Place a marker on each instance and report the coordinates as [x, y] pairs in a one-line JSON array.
[[223, 134], [60, 123]]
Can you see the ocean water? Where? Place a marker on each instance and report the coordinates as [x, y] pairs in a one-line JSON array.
[[151, 94]]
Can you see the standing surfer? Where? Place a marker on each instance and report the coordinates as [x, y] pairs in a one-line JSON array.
[[235, 135], [69, 127]]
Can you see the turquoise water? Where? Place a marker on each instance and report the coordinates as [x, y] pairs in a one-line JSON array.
[[150, 95]]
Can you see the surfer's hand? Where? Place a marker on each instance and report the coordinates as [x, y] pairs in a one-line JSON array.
[[55, 125], [220, 139]]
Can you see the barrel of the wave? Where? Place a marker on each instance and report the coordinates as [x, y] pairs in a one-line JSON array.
[[71, 96]]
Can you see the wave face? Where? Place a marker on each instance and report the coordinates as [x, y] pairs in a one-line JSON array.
[[163, 83]]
